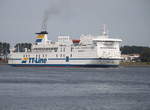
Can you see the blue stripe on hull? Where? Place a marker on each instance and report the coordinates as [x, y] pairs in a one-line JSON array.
[[75, 59], [64, 65]]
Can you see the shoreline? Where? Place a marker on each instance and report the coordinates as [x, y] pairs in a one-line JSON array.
[[3, 62], [134, 63]]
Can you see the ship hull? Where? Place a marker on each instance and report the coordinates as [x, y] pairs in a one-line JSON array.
[[74, 62], [64, 65]]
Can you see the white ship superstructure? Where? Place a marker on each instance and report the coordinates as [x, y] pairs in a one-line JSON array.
[[88, 51]]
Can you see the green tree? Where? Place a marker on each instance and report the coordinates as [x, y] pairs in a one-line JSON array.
[[20, 47], [132, 49], [1, 48], [4, 49], [145, 55]]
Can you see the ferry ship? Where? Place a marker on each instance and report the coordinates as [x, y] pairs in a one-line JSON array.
[[88, 51]]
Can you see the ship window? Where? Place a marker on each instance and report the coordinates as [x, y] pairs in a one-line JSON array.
[[45, 55], [81, 50], [108, 43], [71, 49], [64, 49], [56, 55], [55, 49], [95, 42], [60, 55], [70, 55], [63, 55], [67, 59]]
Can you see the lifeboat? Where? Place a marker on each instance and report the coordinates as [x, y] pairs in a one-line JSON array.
[[76, 41]]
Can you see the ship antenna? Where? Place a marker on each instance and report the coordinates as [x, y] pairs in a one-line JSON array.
[[44, 27], [104, 29]]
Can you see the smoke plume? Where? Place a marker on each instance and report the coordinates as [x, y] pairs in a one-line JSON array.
[[55, 8]]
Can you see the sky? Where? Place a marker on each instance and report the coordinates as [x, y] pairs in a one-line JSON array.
[[128, 20]]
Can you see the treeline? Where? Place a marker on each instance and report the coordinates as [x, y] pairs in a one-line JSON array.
[[4, 50], [133, 49], [144, 52], [20, 47]]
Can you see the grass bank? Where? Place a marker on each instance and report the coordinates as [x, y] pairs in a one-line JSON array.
[[3, 62], [135, 63]]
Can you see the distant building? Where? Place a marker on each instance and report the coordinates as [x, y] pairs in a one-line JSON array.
[[130, 57]]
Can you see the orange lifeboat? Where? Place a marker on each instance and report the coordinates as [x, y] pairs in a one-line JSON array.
[[75, 41]]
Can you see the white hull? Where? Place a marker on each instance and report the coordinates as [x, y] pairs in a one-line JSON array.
[[76, 62]]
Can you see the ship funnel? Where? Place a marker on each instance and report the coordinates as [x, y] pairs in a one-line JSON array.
[[41, 37], [42, 32]]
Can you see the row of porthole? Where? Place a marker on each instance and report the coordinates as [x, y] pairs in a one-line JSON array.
[[107, 48], [43, 55], [63, 55], [46, 50]]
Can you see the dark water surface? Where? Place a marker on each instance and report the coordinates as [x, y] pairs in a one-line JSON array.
[[123, 88]]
